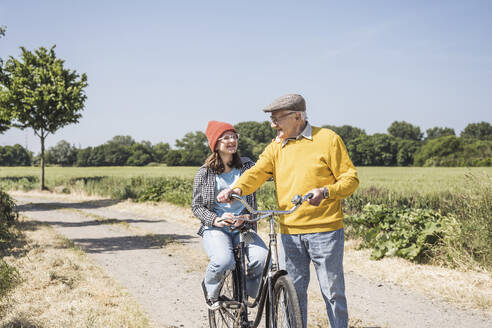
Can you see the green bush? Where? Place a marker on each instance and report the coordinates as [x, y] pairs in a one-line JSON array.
[[403, 232], [174, 190], [8, 217], [8, 214], [466, 218]]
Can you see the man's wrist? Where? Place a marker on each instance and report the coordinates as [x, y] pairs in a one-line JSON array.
[[326, 193]]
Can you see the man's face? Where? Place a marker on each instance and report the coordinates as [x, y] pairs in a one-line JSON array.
[[286, 123]]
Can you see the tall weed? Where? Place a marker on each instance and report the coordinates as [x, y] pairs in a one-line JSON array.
[[466, 218]]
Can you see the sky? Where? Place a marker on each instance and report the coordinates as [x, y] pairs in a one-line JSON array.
[[160, 69]]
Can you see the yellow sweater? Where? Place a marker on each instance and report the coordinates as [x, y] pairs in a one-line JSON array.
[[298, 167]]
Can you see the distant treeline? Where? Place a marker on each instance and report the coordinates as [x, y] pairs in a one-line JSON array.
[[403, 145]]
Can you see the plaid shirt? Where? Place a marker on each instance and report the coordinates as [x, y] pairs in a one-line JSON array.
[[204, 195]]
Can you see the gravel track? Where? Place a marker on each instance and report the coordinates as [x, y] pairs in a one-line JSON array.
[[160, 261]]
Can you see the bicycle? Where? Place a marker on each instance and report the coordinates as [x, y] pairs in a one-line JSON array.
[[276, 294]]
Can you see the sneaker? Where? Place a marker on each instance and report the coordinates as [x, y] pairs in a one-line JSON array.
[[213, 304]]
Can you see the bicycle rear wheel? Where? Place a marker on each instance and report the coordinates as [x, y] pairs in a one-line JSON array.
[[286, 309], [224, 317]]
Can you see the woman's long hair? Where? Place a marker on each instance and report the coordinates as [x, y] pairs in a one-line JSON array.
[[215, 163]]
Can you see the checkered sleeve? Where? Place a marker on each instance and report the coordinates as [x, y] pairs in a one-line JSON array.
[[250, 199], [198, 205]]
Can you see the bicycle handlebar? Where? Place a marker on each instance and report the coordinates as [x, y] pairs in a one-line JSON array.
[[297, 200]]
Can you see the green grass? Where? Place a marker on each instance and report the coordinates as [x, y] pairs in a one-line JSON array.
[[403, 179], [461, 195], [419, 179], [54, 173]]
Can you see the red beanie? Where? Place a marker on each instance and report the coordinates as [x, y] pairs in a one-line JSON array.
[[215, 129]]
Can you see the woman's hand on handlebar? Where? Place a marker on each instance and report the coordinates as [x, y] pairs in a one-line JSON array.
[[226, 220], [225, 195], [317, 196], [229, 220]]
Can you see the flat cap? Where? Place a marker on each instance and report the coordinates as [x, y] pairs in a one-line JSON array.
[[291, 102]]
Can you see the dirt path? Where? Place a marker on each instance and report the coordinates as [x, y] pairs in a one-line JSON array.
[[158, 257]]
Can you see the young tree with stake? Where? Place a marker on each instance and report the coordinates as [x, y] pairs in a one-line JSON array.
[[37, 92]]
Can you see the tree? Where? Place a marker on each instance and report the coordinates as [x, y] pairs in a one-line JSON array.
[[437, 132], [83, 156], [4, 119], [39, 93], [116, 154], [141, 154], [482, 130], [62, 154], [174, 157], [194, 148], [4, 125], [378, 149], [254, 137], [15, 156], [346, 132], [122, 140], [160, 151], [405, 130], [438, 151], [406, 151], [258, 132]]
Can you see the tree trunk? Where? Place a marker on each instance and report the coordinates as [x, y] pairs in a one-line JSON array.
[[43, 187]]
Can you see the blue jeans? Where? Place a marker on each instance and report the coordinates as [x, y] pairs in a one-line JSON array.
[[325, 250], [219, 244]]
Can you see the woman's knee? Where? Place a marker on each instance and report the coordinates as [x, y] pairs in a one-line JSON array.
[[222, 263]]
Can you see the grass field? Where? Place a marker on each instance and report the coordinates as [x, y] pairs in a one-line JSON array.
[[53, 172], [403, 179], [401, 209]]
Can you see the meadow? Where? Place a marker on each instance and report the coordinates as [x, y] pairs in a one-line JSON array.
[[404, 179], [438, 215]]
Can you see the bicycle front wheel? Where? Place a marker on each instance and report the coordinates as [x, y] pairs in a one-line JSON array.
[[286, 309], [224, 317]]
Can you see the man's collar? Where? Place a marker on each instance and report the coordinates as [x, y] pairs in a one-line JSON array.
[[306, 133]]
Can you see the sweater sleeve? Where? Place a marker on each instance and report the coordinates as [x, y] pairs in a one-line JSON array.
[[254, 177], [344, 171], [198, 202]]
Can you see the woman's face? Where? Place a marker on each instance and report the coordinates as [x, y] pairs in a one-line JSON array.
[[227, 143]]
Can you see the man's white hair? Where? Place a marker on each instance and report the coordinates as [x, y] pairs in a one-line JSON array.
[[304, 116]]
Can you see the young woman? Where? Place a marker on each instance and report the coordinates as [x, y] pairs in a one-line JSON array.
[[221, 169]]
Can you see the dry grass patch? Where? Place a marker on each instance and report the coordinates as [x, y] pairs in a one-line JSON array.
[[469, 289], [61, 287]]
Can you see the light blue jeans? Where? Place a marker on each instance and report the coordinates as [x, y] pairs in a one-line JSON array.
[[325, 250], [219, 244]]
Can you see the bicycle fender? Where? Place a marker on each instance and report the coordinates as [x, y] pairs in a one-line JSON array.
[[277, 275]]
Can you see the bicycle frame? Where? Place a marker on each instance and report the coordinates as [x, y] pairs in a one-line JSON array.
[[270, 272]]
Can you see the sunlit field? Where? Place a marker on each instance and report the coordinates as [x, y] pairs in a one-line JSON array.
[[455, 201], [113, 171], [421, 179], [412, 179]]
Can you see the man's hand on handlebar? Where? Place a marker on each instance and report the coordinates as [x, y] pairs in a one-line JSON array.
[[317, 196], [225, 195]]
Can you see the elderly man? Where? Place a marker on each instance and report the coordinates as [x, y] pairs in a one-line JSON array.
[[303, 159]]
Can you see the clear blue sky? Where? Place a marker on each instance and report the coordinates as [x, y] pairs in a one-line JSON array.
[[159, 69]]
